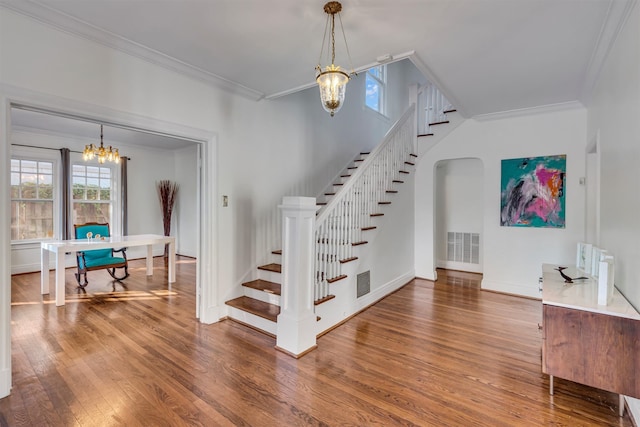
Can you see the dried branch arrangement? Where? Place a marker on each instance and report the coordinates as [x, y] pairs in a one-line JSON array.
[[167, 191]]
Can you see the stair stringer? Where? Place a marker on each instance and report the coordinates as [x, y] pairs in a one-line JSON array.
[[427, 142]]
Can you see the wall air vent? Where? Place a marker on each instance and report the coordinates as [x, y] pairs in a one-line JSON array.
[[463, 247], [363, 283]]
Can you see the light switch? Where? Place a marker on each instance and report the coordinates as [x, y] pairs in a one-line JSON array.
[[225, 201]]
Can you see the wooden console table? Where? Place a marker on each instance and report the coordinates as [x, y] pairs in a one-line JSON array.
[[591, 344], [60, 247]]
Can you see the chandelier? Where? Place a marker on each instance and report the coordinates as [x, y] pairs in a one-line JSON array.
[[332, 80], [103, 154]]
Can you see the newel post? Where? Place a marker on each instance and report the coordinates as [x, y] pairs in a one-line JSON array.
[[296, 333]]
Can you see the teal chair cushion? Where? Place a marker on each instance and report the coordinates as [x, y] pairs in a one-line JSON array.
[[101, 262]]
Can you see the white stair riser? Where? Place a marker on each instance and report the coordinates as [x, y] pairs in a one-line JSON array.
[[262, 296], [270, 276], [253, 320]]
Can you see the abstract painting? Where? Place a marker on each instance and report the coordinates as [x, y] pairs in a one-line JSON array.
[[533, 192]]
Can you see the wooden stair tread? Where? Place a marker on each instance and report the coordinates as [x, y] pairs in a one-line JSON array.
[[276, 268], [413, 155], [397, 181], [405, 172], [321, 203], [353, 258], [364, 242], [277, 252], [439, 123], [425, 134], [256, 307], [359, 160], [409, 163], [373, 227], [352, 167], [265, 286], [330, 194], [391, 191], [325, 299], [339, 183], [384, 203], [376, 214], [365, 153], [335, 279], [345, 176], [449, 111]]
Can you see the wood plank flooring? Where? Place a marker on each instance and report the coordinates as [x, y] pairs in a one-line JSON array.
[[431, 354]]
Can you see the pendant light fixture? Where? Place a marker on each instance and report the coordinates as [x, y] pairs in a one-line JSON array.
[[103, 154], [332, 80]]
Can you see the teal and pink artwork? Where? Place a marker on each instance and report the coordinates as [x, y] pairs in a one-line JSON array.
[[533, 192]]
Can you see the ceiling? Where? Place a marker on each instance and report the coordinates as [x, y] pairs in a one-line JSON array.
[[487, 56]]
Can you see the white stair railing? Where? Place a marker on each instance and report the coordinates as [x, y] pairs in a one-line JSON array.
[[339, 225], [432, 107]]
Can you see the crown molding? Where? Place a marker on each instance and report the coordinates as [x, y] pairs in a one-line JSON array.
[[617, 15], [542, 109], [77, 27]]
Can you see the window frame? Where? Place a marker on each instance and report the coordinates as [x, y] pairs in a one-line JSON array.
[[381, 82], [42, 155]]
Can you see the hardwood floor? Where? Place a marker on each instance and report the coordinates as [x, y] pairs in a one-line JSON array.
[[443, 354]]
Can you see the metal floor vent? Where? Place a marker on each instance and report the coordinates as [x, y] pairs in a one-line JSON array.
[[363, 283], [463, 247]]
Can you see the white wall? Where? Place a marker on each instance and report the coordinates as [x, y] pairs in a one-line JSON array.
[[185, 213], [613, 113], [613, 120], [512, 256], [459, 185]]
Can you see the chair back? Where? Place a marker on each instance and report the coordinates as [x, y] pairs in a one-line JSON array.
[[94, 228]]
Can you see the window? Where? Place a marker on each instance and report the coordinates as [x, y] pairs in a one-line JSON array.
[[93, 195], [32, 199], [375, 82]]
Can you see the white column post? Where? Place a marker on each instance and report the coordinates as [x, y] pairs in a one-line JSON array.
[[296, 333]]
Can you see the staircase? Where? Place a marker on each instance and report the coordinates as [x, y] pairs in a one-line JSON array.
[[349, 210]]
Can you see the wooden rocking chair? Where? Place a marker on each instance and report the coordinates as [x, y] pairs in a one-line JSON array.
[[98, 259]]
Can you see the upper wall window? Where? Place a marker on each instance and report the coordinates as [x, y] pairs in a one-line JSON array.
[[32, 199], [93, 191], [376, 81]]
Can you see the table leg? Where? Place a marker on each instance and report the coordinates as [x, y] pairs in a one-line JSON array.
[[172, 262], [44, 271], [60, 278], [149, 260], [551, 385]]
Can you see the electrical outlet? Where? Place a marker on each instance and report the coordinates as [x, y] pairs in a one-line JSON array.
[[225, 201]]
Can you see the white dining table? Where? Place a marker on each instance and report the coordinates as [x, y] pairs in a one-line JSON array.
[[61, 247]]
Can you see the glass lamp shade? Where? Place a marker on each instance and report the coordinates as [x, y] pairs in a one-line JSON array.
[[332, 82]]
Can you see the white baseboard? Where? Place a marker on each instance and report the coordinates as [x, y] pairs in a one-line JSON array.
[[5, 383], [529, 290], [459, 266], [384, 290]]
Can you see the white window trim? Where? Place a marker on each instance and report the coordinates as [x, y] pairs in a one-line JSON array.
[[382, 83], [48, 155]]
